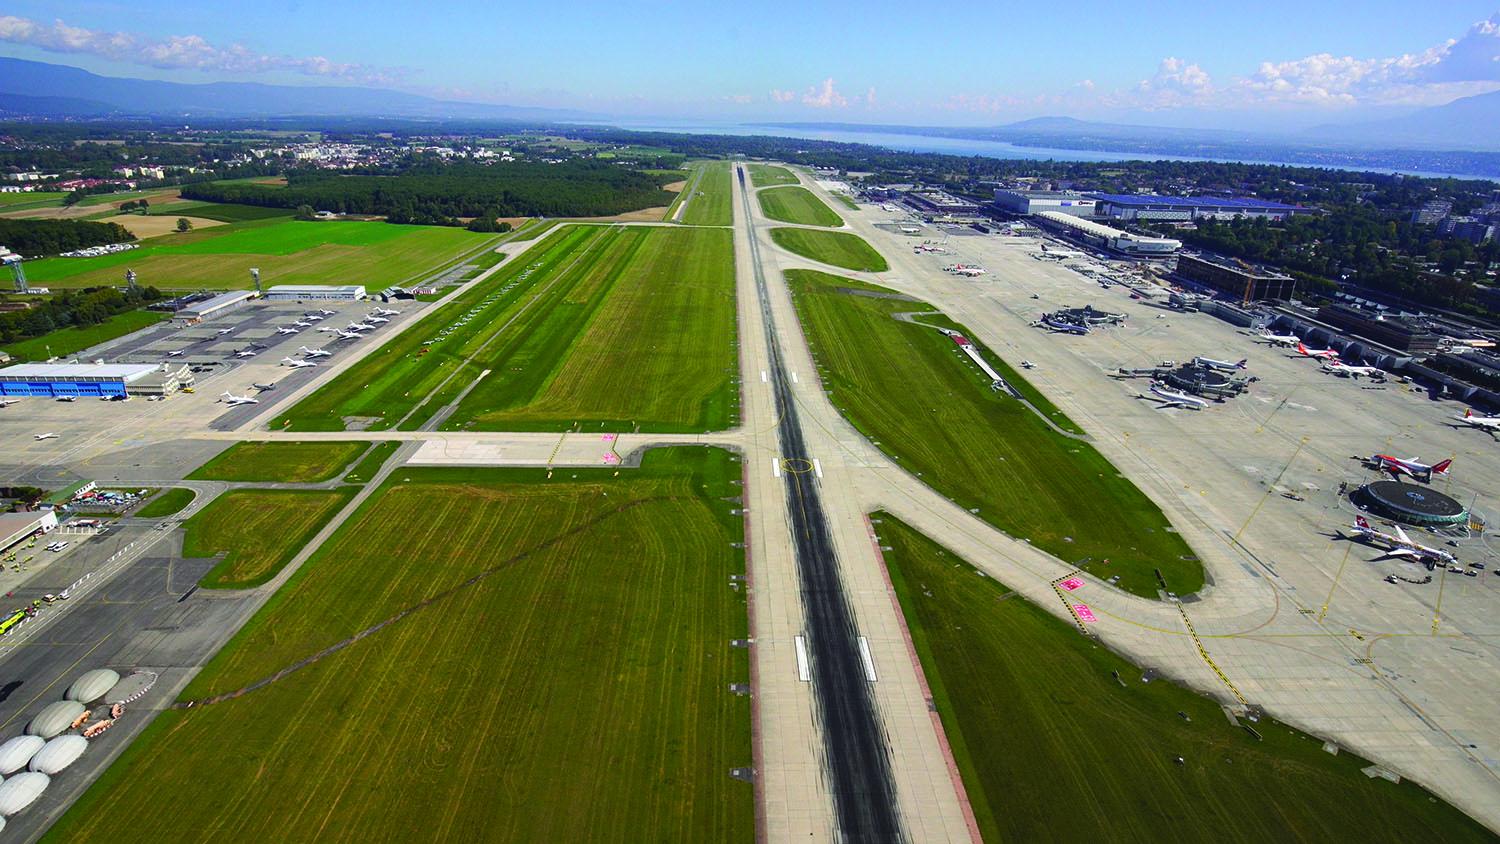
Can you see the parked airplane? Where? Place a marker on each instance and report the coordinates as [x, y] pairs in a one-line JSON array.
[[385, 312], [285, 329], [245, 353], [1411, 466], [176, 354], [1325, 354], [221, 332], [1063, 327], [1285, 340], [264, 387], [349, 335], [297, 364], [327, 328], [1173, 398], [1344, 370], [8, 402], [314, 353], [358, 326], [376, 318], [1221, 365], [230, 398], [1402, 545], [326, 312], [1488, 423], [313, 317], [47, 436], [302, 323]]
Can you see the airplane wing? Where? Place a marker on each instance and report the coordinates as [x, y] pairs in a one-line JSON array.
[[1401, 534]]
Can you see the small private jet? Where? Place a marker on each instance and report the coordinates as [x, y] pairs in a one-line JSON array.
[[245, 353], [285, 329], [47, 436], [8, 402], [314, 353], [264, 387], [326, 312], [296, 364], [232, 399], [176, 354], [349, 335], [221, 332], [358, 326], [377, 319], [385, 312]]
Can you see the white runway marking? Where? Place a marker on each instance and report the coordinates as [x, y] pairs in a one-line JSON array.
[[803, 673], [794, 378], [764, 377], [869, 661], [818, 466], [775, 467]]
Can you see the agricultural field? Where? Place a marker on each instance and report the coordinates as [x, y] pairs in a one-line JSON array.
[[14, 201], [222, 211], [67, 341], [543, 660], [838, 249], [286, 251], [709, 204], [283, 462], [168, 503], [603, 326], [371, 462], [910, 390], [1057, 738], [258, 531], [797, 205], [770, 175]]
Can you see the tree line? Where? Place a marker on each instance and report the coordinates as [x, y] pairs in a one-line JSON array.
[[89, 306], [50, 237], [438, 195]]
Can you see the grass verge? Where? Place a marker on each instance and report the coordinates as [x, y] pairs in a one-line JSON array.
[[371, 462], [709, 204], [770, 175], [258, 531], [911, 390], [283, 462], [797, 205], [1057, 739], [837, 249], [168, 503], [566, 678]]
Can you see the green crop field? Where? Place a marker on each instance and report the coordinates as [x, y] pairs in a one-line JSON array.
[[709, 204], [601, 326], [225, 212], [370, 463], [556, 667], [769, 175], [797, 205], [285, 251], [1057, 739], [67, 341], [838, 249], [168, 503], [285, 462], [911, 390], [258, 531], [38, 199]]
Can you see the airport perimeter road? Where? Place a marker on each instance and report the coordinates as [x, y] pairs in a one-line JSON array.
[[800, 563], [1291, 621]]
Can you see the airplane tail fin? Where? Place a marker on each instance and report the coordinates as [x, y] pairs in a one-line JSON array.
[[1243, 362], [1468, 413], [1442, 468], [1301, 347], [1361, 522]]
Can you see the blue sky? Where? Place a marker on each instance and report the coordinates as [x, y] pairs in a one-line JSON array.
[[957, 63]]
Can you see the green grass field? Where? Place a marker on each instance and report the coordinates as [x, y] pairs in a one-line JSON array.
[[909, 389], [610, 326], [285, 251], [562, 674], [225, 212], [838, 249], [168, 503], [709, 205], [258, 531], [67, 341], [847, 201], [371, 462], [1057, 739], [797, 205], [769, 175], [37, 199], [283, 462]]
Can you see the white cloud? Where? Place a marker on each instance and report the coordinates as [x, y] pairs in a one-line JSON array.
[[824, 95], [191, 52], [781, 96]]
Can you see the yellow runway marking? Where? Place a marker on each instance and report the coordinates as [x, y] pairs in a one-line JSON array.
[[1348, 549]]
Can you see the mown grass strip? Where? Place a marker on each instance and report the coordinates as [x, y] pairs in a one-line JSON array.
[[837, 249], [770, 175], [710, 203], [285, 462], [797, 205], [258, 531], [168, 503], [912, 391]]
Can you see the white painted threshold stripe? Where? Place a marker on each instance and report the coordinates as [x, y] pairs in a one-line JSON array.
[[803, 673], [869, 661]]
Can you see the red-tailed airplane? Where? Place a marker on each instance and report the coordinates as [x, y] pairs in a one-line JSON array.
[[1401, 545], [1411, 466], [1325, 354]]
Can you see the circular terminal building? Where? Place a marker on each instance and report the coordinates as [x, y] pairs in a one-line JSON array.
[[1412, 504]]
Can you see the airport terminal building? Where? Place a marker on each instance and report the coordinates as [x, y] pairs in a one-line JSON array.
[[1130, 207], [1029, 202], [298, 292]]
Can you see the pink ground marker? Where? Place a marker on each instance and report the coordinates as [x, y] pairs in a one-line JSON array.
[[1084, 613], [1072, 583]]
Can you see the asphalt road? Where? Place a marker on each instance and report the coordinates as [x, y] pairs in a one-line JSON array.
[[857, 758]]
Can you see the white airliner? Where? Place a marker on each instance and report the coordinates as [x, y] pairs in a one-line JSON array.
[[1173, 398], [1287, 340], [297, 364], [245, 353], [47, 436], [286, 329], [1400, 544], [1325, 354], [230, 398], [349, 335], [1221, 365], [1488, 423], [1411, 466], [314, 353], [376, 318], [1344, 370]]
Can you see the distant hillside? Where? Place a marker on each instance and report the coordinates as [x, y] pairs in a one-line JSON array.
[[1467, 123], [51, 90]]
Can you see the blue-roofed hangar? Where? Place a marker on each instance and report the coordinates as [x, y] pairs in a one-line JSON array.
[[55, 380]]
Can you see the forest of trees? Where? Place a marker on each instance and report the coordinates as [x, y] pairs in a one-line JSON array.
[[438, 195], [89, 306], [49, 237]]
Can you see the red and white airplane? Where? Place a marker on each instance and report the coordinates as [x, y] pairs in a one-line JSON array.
[[1325, 354], [1488, 423], [1401, 545], [1411, 466]]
